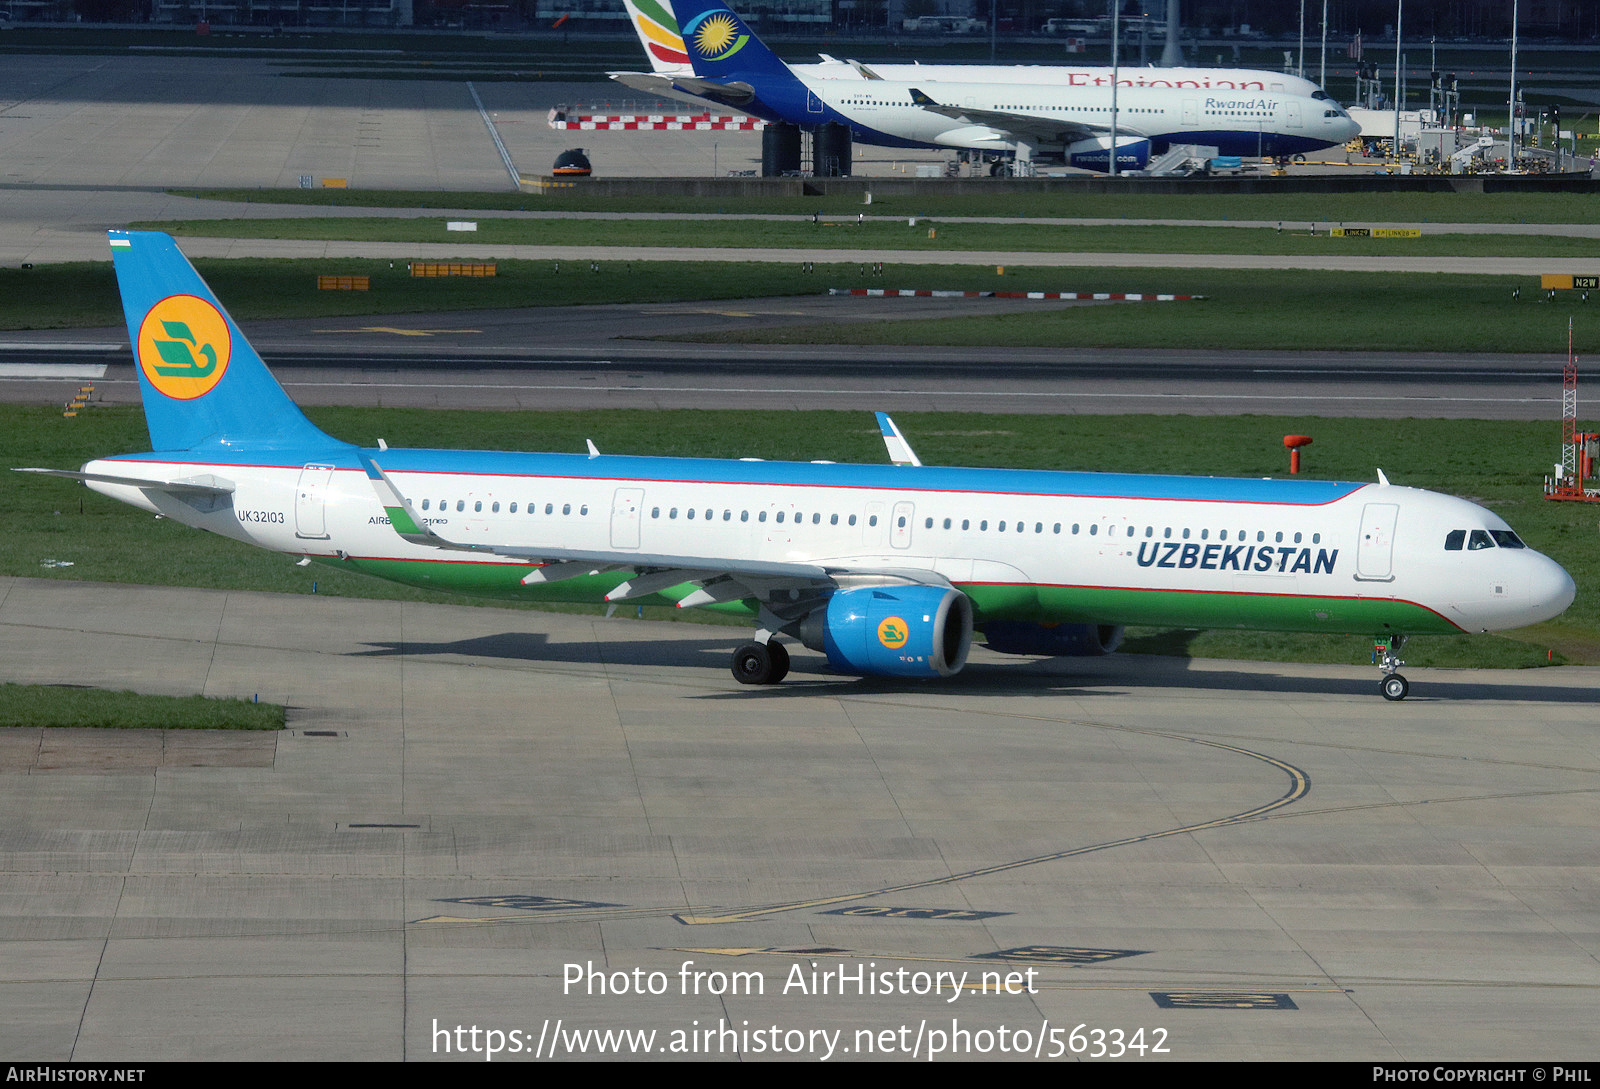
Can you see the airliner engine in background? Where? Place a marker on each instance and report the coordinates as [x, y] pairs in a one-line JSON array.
[[886, 569], [1055, 123]]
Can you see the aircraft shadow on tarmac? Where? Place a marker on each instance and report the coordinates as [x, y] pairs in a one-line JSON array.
[[1119, 674]]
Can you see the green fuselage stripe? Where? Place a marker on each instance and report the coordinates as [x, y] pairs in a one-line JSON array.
[[990, 601]]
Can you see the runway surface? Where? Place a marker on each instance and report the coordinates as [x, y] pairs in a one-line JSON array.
[[473, 807], [585, 357]]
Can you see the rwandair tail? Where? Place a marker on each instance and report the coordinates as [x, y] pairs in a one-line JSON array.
[[202, 382], [721, 46]]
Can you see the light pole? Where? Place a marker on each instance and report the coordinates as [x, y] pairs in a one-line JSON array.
[[1511, 112], [1399, 14], [1116, 37]]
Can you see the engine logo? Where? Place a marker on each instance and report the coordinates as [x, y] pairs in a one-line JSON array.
[[893, 632]]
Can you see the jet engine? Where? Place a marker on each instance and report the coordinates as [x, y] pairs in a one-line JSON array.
[[1052, 640], [893, 631], [1095, 153]]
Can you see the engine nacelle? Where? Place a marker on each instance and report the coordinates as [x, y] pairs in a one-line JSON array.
[[893, 631], [1133, 152], [1052, 640]]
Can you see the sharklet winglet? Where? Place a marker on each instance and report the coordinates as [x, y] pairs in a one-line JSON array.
[[900, 451], [403, 518]]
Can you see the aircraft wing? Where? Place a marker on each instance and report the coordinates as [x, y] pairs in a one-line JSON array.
[[717, 580], [1044, 130]]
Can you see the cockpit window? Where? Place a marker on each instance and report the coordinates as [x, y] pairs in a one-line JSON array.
[[1506, 539], [1480, 539], [1320, 93], [1454, 540]]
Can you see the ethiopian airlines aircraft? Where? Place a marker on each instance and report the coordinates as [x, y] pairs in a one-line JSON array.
[[1068, 124], [887, 569]]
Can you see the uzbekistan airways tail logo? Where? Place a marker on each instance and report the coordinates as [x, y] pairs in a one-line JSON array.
[[893, 633], [716, 36], [660, 30], [184, 346]]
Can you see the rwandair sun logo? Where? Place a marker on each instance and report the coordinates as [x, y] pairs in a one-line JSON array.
[[184, 346], [718, 38], [893, 633]]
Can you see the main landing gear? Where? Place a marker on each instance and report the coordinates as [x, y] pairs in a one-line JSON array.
[[1386, 653], [760, 663]]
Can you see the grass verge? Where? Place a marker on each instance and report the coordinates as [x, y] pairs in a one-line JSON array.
[[65, 706], [1070, 201], [1317, 311], [927, 238]]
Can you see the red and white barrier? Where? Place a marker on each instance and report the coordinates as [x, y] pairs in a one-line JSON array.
[[661, 122], [1095, 296]]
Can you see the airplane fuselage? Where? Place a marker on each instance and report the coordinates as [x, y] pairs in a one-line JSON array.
[[1086, 548], [1253, 123]]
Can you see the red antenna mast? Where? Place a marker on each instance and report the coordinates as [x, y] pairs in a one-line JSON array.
[[1578, 448]]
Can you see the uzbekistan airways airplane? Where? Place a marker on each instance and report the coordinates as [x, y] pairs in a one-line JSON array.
[[887, 569], [1066, 124], [672, 74]]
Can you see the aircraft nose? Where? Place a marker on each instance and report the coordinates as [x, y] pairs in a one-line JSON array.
[[1550, 589]]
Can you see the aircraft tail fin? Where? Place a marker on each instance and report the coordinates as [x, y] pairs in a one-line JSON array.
[[721, 45], [658, 32], [201, 380]]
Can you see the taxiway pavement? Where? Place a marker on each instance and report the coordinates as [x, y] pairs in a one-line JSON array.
[[471, 805]]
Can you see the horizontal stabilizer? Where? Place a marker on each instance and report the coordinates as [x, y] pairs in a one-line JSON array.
[[198, 485], [734, 93]]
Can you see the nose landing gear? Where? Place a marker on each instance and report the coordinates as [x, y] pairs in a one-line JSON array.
[[1386, 655]]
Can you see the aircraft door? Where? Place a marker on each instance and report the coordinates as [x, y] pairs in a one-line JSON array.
[[626, 505], [1191, 113], [900, 525], [813, 103], [310, 502], [1375, 549], [1295, 120]]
